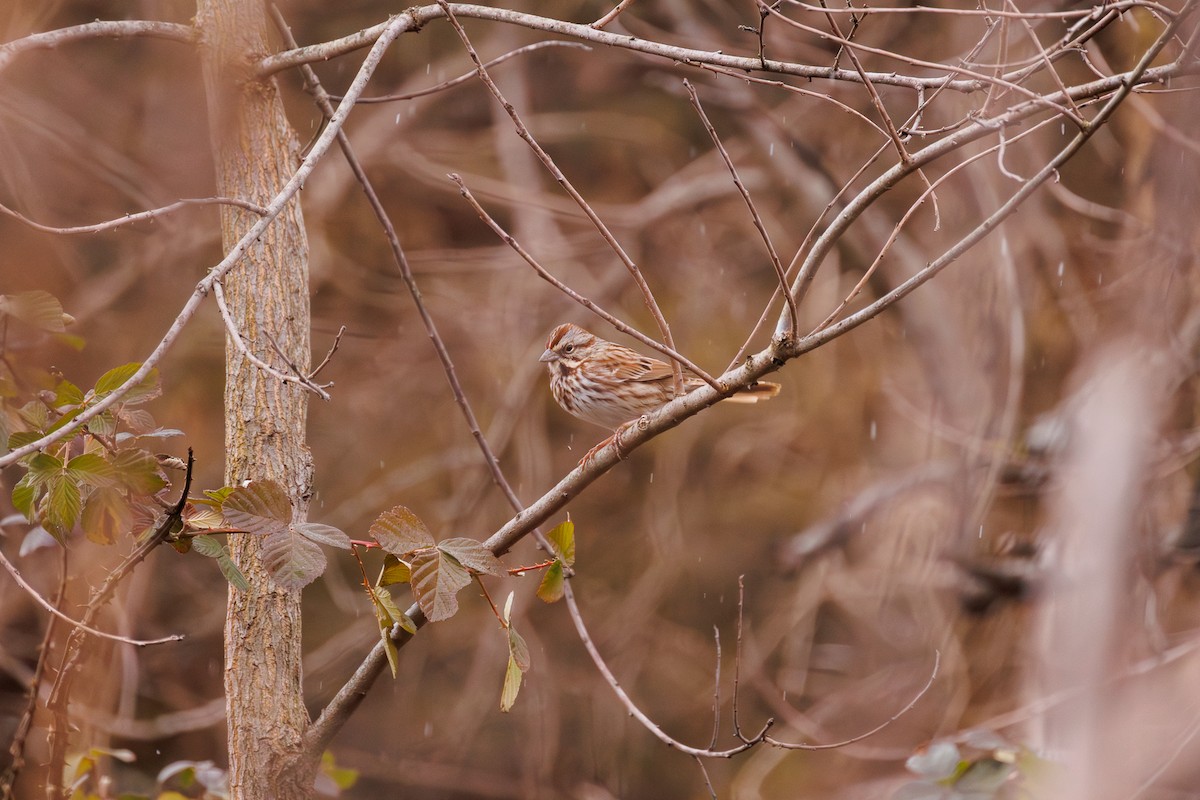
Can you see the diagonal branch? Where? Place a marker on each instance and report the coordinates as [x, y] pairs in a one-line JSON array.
[[394, 28]]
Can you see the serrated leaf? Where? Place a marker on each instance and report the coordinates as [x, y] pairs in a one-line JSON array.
[[207, 546], [323, 534], [139, 420], [139, 472], [43, 465], [400, 532], [550, 590], [436, 581], [67, 394], [22, 438], [60, 507], [562, 538], [25, 495], [473, 555], [293, 561], [37, 308], [106, 515], [202, 517], [103, 424], [259, 507], [146, 389], [394, 571], [35, 414], [91, 469]]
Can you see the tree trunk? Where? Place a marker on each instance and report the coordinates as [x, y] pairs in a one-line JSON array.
[[255, 153]]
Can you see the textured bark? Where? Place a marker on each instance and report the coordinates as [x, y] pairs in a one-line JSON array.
[[255, 152]]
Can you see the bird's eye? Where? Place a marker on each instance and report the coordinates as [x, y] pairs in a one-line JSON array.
[[568, 348]]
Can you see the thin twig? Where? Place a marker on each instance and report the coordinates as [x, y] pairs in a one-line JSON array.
[[239, 342], [8, 780], [394, 28], [758, 223], [100, 29], [461, 79], [337, 340], [937, 660], [590, 305], [60, 691], [139, 216], [44, 603], [612, 14], [558, 175]]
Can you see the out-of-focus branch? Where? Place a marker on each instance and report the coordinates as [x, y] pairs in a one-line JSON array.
[[60, 692], [394, 28], [139, 216], [46, 604], [587, 303], [100, 29], [562, 180]]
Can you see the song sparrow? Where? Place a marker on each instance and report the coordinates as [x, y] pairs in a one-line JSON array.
[[609, 384]]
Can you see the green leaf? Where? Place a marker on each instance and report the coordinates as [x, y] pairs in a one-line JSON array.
[[35, 414], [562, 538], [22, 438], [208, 546], [106, 515], [473, 555], [550, 590], [25, 495], [37, 308], [386, 614], [518, 664], [146, 389], [293, 561], [394, 571], [512, 686], [436, 580], [258, 507], [139, 472], [231, 572], [103, 424], [91, 469], [342, 777], [400, 532], [218, 497], [60, 507], [323, 534], [67, 394]]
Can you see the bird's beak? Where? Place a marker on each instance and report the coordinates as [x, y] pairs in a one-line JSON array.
[[549, 355]]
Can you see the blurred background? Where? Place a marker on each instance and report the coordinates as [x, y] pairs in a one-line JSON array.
[[906, 494]]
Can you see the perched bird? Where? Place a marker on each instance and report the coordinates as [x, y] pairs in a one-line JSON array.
[[610, 385]]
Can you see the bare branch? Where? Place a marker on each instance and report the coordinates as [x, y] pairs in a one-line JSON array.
[[46, 604], [295, 376], [590, 305], [461, 79], [395, 27], [561, 178], [100, 29], [139, 216]]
